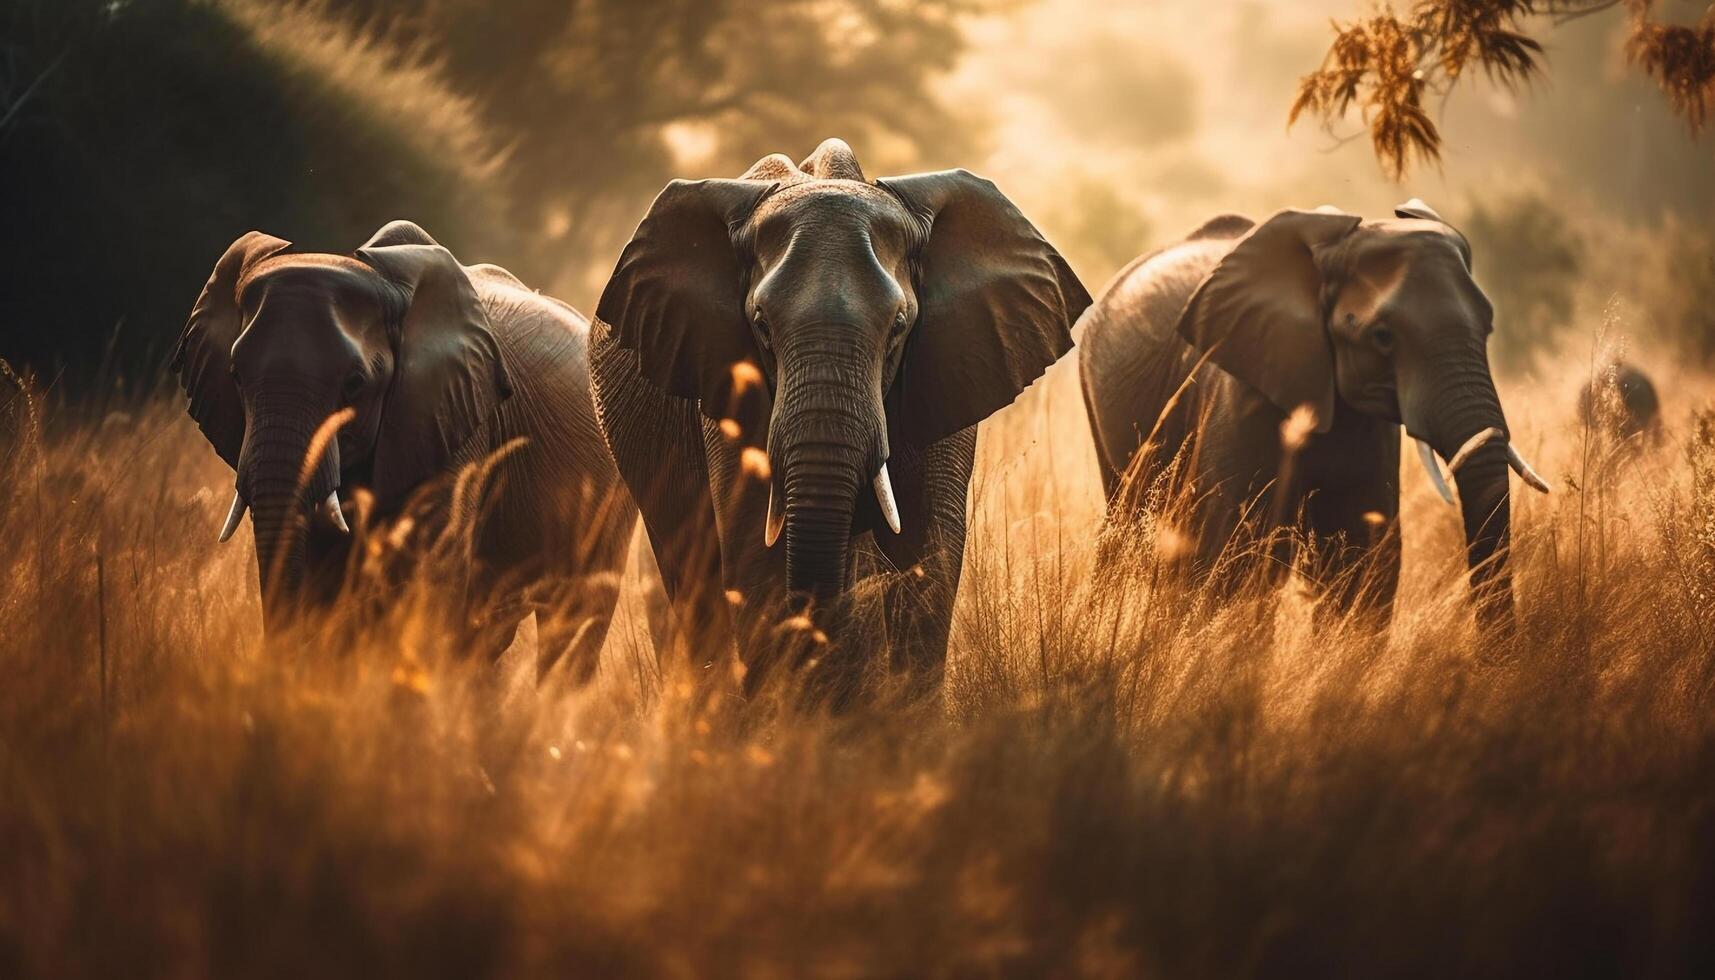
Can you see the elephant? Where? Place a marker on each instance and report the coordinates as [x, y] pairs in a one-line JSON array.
[[790, 368], [390, 370], [1276, 362], [1621, 401]]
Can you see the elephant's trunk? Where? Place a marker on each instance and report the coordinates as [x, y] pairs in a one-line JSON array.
[[821, 493], [1468, 405], [1484, 504], [280, 489], [827, 439], [280, 524]]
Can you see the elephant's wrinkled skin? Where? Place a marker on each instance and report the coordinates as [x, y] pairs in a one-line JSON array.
[[783, 359], [1358, 327], [440, 366]]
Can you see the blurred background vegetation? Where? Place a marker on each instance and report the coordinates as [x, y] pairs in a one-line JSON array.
[[139, 137]]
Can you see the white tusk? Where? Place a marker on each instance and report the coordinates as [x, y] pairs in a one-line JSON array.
[[1524, 470], [332, 506], [1471, 445], [884, 497], [233, 516], [776, 518], [1428, 456]]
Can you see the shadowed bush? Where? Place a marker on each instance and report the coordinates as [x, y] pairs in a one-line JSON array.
[[162, 130]]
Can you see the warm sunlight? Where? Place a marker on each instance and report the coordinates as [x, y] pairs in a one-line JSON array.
[[765, 488]]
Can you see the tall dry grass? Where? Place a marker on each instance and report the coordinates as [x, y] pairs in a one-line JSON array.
[[1123, 779]]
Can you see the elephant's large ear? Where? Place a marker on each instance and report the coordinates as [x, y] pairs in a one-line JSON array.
[[1259, 313], [448, 376], [996, 304], [203, 359], [676, 297]]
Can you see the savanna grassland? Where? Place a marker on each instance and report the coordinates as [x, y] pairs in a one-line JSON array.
[[1122, 778]]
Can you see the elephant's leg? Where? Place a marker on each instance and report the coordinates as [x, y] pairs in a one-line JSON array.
[[657, 443], [1356, 557], [1248, 489], [753, 575], [929, 551], [657, 608], [1128, 501], [573, 625], [572, 621], [487, 616], [1352, 512], [327, 556], [1149, 532], [1232, 561], [496, 733], [687, 551], [488, 640], [573, 638]]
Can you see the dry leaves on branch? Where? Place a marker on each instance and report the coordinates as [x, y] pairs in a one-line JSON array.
[[1387, 63]]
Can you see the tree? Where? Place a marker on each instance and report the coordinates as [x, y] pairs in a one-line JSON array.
[[589, 93], [1389, 64]]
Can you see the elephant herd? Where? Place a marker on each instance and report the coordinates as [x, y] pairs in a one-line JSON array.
[[784, 378]]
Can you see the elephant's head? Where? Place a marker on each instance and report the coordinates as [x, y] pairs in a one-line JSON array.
[[884, 315], [1311, 307], [311, 373]]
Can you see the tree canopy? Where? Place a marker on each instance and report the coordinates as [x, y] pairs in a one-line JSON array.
[[599, 100], [1391, 63]]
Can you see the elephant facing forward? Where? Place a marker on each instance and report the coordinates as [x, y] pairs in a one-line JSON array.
[[1350, 327], [796, 360], [392, 369]]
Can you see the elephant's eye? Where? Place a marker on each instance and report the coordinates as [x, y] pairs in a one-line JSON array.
[[353, 386], [1383, 338], [761, 323]]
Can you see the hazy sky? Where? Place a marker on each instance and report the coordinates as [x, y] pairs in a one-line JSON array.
[[1181, 105]]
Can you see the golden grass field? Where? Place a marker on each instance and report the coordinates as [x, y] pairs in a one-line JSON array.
[[1119, 781]]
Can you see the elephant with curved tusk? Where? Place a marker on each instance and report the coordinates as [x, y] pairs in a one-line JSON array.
[[391, 369], [1348, 328], [790, 367]]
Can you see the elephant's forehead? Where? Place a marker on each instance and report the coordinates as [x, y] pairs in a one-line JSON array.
[[852, 197], [334, 273], [1411, 236], [1408, 247], [1388, 259], [833, 209], [1409, 262]]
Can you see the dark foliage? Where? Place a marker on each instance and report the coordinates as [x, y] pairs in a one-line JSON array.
[[138, 138], [142, 138]]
